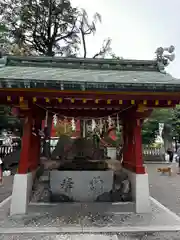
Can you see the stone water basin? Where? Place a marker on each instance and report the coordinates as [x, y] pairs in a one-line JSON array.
[[80, 186]]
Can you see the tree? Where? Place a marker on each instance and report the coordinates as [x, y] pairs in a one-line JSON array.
[[4, 39], [7, 46], [150, 128], [88, 27], [7, 120], [149, 131], [175, 123], [46, 26], [50, 27], [105, 49]]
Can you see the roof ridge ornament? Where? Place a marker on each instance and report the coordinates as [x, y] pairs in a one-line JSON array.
[[164, 56]]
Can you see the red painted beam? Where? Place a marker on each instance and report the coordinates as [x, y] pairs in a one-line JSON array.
[[84, 113], [93, 95], [90, 113], [66, 103], [132, 113]]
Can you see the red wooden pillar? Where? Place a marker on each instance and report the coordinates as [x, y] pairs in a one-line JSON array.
[[38, 149], [132, 155], [38, 124], [128, 146], [137, 148], [26, 144], [125, 143], [35, 146], [35, 152]]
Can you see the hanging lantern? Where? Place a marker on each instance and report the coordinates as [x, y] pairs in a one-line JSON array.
[[73, 125], [65, 125], [93, 125], [84, 128], [34, 133], [117, 122], [105, 125], [46, 119], [33, 129], [109, 122], [41, 133], [101, 126], [55, 120]]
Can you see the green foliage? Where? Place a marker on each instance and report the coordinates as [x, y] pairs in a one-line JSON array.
[[7, 121], [149, 131], [151, 125], [4, 38], [171, 120], [175, 122], [49, 27], [45, 26]]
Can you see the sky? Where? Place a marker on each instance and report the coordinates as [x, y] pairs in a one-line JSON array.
[[136, 27]]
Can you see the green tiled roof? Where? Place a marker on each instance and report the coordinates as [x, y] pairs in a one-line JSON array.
[[85, 74]]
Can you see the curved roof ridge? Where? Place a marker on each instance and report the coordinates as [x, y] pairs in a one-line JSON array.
[[81, 63]]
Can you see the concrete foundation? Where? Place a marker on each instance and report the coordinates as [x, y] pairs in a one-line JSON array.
[[140, 191], [22, 188]]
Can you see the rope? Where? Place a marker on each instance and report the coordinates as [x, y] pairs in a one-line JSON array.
[[84, 118]]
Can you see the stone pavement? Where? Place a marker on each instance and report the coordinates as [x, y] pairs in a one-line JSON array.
[[165, 189], [6, 188]]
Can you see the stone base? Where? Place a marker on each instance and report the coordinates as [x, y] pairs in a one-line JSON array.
[[140, 191], [22, 188], [80, 186]]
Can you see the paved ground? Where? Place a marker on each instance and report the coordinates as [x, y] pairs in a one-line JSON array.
[[6, 188], [165, 189]]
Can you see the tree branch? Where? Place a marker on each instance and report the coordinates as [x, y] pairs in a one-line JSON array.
[[105, 48], [84, 43], [69, 34]]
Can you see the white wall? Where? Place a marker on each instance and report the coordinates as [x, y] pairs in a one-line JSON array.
[[140, 191], [21, 193]]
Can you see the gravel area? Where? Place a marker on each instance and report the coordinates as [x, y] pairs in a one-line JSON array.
[[87, 216], [135, 236], [61, 237]]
